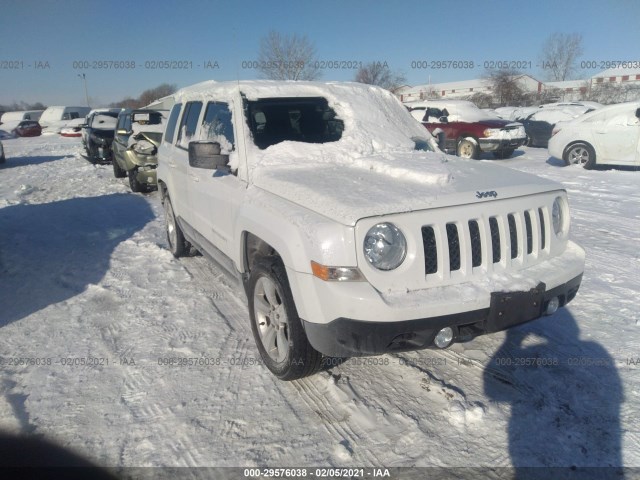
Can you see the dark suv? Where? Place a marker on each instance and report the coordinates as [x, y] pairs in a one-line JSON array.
[[99, 134], [463, 128]]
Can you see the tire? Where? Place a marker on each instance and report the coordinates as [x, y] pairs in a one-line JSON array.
[[135, 185], [580, 154], [178, 246], [117, 171], [468, 149], [277, 329], [504, 153]]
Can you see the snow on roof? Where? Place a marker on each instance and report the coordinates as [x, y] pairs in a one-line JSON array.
[[617, 72], [374, 119]]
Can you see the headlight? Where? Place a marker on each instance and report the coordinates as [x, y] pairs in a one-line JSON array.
[[558, 215], [143, 147], [385, 246], [492, 132]]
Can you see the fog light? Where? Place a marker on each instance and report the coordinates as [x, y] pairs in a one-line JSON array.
[[444, 337], [552, 306]]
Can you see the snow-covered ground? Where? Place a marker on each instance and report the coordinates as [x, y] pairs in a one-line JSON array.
[[92, 305]]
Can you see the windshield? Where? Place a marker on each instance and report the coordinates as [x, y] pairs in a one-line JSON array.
[[105, 121], [308, 120]]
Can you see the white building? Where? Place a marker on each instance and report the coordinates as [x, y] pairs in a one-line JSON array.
[[609, 86], [463, 89]]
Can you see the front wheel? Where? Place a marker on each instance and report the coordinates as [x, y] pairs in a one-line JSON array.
[[468, 148], [178, 246], [580, 154], [117, 171], [276, 327], [134, 183]]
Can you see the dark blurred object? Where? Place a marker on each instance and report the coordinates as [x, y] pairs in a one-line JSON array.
[[29, 457]]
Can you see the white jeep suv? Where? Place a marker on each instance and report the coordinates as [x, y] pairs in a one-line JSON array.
[[350, 231]]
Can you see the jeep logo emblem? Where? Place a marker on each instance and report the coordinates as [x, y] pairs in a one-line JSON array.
[[492, 194]]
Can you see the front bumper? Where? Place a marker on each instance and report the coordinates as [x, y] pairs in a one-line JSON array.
[[147, 175], [346, 337], [496, 144]]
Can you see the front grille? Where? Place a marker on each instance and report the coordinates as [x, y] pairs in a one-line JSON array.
[[503, 239]]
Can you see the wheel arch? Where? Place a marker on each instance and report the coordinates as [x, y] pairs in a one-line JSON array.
[[565, 151]]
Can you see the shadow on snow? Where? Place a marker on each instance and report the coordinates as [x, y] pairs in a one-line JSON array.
[[565, 411], [51, 252]]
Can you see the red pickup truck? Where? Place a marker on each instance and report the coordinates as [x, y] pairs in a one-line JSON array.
[[463, 128]]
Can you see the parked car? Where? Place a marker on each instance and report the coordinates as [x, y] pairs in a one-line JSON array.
[[88, 119], [73, 128], [27, 128], [463, 128], [2, 157], [53, 119], [100, 134], [539, 125], [10, 121], [607, 136], [135, 147], [349, 231]]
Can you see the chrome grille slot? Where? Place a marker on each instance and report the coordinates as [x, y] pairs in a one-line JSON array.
[[495, 239], [513, 235], [476, 243], [454, 246], [529, 229], [542, 230], [430, 250]]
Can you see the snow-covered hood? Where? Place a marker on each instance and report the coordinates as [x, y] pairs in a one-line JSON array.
[[388, 184]]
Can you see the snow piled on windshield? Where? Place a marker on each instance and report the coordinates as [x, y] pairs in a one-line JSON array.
[[104, 122]]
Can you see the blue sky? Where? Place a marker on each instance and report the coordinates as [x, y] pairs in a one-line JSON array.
[[228, 32]]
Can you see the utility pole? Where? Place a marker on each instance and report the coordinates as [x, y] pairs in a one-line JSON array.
[[86, 95]]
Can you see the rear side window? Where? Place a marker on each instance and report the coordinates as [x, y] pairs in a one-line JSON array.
[[171, 124], [217, 126], [189, 123]]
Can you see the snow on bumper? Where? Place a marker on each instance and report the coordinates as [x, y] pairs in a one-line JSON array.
[[346, 319], [503, 139]]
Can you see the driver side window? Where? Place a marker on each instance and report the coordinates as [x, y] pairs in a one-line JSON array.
[[218, 127]]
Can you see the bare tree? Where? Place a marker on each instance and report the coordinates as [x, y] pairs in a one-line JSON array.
[[287, 57], [560, 54], [505, 87], [146, 97], [379, 73], [153, 94], [481, 99]]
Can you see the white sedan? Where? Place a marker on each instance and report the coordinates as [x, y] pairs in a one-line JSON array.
[[607, 136]]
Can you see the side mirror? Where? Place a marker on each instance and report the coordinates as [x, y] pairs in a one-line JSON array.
[[207, 155], [443, 120]]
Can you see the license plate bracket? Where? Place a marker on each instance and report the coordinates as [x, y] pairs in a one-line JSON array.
[[512, 308]]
